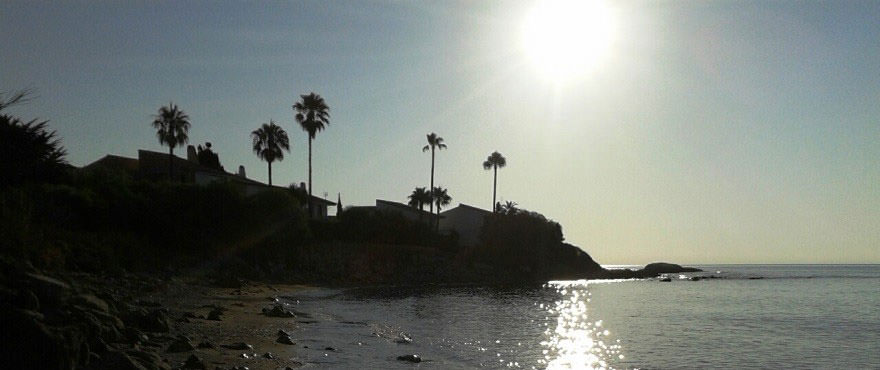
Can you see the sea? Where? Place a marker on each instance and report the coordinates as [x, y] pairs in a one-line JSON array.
[[728, 317]]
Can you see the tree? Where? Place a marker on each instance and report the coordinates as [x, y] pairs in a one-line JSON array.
[[434, 142], [313, 115], [269, 142], [494, 162], [441, 198], [29, 151], [508, 208], [172, 129], [420, 197]]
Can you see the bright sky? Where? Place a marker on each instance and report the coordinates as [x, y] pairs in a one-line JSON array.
[[686, 131]]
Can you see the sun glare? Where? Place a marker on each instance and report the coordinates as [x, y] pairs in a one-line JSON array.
[[564, 39]]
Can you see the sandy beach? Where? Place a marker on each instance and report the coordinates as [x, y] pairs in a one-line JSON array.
[[190, 302]]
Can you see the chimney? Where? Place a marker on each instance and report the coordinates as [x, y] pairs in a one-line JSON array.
[[241, 171], [191, 154]]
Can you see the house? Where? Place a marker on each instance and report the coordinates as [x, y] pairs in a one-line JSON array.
[[465, 220], [408, 212], [153, 166]]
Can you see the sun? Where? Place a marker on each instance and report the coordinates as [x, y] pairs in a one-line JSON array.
[[564, 39]]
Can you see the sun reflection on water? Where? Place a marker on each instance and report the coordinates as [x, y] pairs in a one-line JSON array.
[[578, 341]]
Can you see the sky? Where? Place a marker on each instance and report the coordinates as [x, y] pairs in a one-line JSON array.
[[696, 132]]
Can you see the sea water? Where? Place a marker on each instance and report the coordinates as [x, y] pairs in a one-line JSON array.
[[737, 316]]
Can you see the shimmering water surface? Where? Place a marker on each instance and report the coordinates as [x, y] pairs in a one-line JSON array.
[[794, 316]]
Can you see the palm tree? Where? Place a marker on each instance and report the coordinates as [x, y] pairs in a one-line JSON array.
[[441, 198], [494, 162], [313, 115], [508, 208], [419, 197], [434, 141], [270, 141], [172, 126]]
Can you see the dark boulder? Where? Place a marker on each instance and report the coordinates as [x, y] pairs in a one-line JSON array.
[[277, 311], [194, 362], [285, 339], [410, 358], [31, 344], [181, 344], [118, 360], [49, 290], [156, 321]]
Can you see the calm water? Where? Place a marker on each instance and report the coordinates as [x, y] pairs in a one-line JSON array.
[[796, 316]]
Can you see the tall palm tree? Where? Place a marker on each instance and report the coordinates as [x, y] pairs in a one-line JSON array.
[[419, 197], [313, 115], [441, 198], [270, 141], [434, 142], [494, 162], [172, 128]]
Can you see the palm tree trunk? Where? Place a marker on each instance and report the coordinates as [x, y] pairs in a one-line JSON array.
[[431, 191], [170, 163], [270, 173], [310, 178], [494, 188]]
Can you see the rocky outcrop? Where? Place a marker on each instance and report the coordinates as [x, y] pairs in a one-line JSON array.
[[50, 323]]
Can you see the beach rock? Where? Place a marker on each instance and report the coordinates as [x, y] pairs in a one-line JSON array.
[[277, 311], [97, 323], [666, 279], [410, 358], [194, 362], [49, 290], [240, 346], [148, 360], [118, 360], [152, 321], [696, 278], [182, 344], [90, 301], [402, 338], [215, 313], [30, 343], [206, 344], [269, 355], [285, 339], [329, 349]]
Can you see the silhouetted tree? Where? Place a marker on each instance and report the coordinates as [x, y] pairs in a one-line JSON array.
[[441, 198], [269, 143], [29, 151], [508, 208], [208, 158], [494, 162], [313, 115], [172, 129], [419, 197], [434, 142]]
